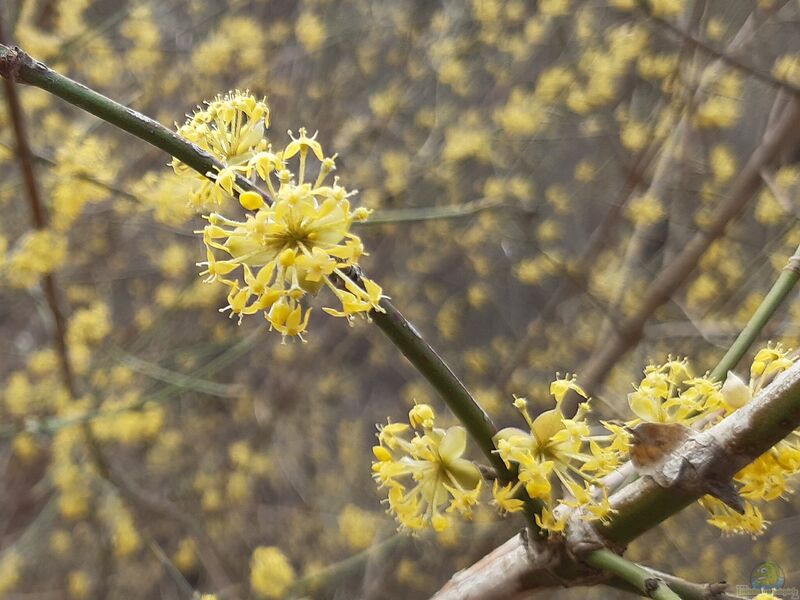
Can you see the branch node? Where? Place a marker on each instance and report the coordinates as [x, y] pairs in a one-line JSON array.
[[714, 591], [651, 584], [582, 538], [11, 62], [793, 264], [547, 554]]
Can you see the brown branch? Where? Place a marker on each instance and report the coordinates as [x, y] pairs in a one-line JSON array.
[[25, 159], [671, 277], [728, 59], [128, 490], [511, 571]]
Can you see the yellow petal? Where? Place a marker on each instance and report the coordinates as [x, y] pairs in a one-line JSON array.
[[251, 200]]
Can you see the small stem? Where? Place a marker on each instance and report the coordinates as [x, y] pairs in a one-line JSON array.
[[428, 213], [689, 590], [774, 298], [642, 579]]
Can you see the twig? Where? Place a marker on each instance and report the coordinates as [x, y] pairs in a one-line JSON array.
[[689, 590], [639, 577], [677, 272], [774, 298], [17, 65], [390, 216]]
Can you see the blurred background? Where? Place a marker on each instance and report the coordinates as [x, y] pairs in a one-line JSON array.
[[534, 167]]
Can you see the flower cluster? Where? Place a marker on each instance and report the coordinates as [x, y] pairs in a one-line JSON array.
[[35, 254], [231, 128], [559, 461], [271, 573], [292, 244], [424, 472], [669, 394]]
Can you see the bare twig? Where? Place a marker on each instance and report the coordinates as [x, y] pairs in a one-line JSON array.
[[727, 58], [677, 272], [640, 578]]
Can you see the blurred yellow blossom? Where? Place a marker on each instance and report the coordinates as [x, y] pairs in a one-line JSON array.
[[271, 573]]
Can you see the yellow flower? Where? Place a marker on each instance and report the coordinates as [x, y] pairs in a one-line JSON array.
[[35, 254], [425, 475], [358, 527], [767, 363], [669, 394], [293, 247], [505, 497], [10, 569], [302, 145], [78, 584], [723, 163], [645, 210], [310, 31], [729, 521], [552, 460], [231, 128], [271, 573], [549, 521]]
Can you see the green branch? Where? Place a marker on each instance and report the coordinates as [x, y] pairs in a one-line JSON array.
[[774, 298], [643, 580], [17, 65], [428, 362], [390, 216]]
